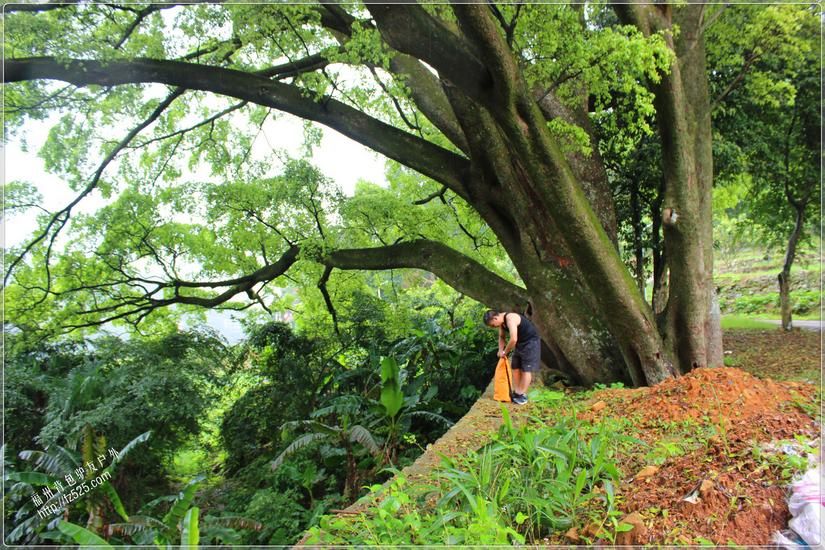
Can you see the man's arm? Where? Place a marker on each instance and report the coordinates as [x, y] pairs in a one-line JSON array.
[[501, 342], [512, 327]]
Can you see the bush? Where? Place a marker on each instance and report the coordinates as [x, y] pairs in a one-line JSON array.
[[283, 518]]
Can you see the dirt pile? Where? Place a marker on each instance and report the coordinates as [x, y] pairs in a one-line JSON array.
[[714, 485], [710, 392]]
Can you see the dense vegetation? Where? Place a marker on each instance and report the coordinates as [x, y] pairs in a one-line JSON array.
[[557, 160], [331, 416]]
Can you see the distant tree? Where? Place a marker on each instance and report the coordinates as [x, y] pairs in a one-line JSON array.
[[768, 108]]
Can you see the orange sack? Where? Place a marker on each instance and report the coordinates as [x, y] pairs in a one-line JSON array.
[[503, 388]]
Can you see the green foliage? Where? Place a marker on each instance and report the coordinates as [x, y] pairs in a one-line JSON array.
[[582, 48], [287, 375], [30, 376], [181, 523], [100, 395], [804, 301], [56, 465], [537, 480], [790, 458], [768, 125], [81, 535], [392, 398], [281, 514], [189, 533], [525, 484]]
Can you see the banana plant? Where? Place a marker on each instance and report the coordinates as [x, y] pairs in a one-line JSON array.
[[189, 534], [399, 404], [342, 433], [81, 535], [181, 525], [52, 465]]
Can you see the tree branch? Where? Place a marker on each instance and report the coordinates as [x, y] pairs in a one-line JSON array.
[[34, 8], [461, 272], [425, 88], [706, 24], [411, 30], [143, 305], [204, 122], [428, 198], [297, 67], [59, 220], [425, 157], [141, 15], [322, 286], [730, 87]]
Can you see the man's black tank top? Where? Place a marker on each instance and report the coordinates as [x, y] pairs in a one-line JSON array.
[[526, 331]]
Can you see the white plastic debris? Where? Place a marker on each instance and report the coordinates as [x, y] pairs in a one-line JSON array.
[[806, 506]]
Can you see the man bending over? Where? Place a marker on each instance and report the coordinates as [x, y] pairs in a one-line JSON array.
[[524, 339]]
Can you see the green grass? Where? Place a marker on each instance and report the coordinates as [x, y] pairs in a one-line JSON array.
[[744, 322]]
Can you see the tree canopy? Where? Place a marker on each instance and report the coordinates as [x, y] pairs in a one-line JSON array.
[[491, 115]]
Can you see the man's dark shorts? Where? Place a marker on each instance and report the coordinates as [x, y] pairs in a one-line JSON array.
[[527, 358]]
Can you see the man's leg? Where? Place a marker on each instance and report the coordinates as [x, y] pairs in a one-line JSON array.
[[524, 383], [531, 362], [518, 375], [515, 368]]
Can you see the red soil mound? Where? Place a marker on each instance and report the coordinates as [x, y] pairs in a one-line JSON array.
[[741, 496], [708, 392]]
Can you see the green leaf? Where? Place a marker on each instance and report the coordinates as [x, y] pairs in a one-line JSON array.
[[391, 395], [189, 529], [114, 498], [81, 535], [32, 478], [180, 507]]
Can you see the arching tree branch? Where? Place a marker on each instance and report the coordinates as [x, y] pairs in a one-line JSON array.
[[120, 301], [461, 272], [408, 149], [411, 30], [425, 88]]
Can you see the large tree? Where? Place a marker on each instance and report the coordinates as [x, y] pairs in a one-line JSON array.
[[490, 102]]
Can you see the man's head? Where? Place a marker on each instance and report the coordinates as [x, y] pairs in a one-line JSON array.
[[493, 318]]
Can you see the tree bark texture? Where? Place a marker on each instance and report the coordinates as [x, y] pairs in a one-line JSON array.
[[683, 119]]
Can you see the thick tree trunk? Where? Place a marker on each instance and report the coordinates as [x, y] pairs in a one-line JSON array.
[[784, 277], [584, 299], [691, 329]]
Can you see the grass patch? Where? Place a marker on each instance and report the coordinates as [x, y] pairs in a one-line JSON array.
[[744, 322], [526, 484]]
